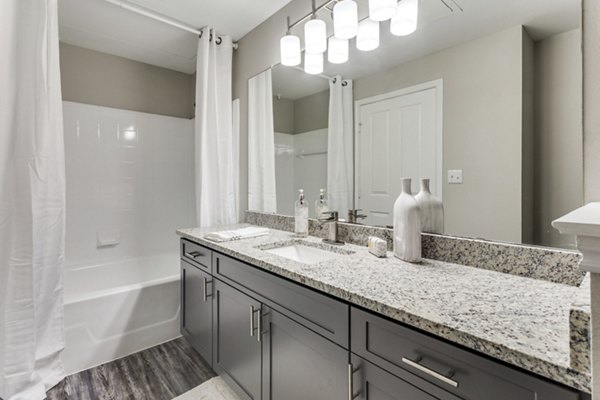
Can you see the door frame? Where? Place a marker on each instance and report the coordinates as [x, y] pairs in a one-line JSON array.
[[438, 86]]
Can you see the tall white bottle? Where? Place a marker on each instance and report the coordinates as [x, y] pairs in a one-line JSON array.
[[432, 210], [301, 216], [407, 225]]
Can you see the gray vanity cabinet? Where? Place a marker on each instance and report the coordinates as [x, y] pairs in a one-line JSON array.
[[300, 364], [197, 309], [237, 349]]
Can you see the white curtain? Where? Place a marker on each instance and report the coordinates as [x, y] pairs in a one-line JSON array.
[[236, 154], [216, 190], [261, 144], [32, 200], [340, 146]]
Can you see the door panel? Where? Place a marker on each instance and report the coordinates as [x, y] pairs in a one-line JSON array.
[[300, 364], [196, 316], [398, 137], [237, 353]]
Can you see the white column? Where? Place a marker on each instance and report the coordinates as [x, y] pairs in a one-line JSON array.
[[585, 224]]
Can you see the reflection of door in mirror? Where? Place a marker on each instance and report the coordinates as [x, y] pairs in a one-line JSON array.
[[399, 135]]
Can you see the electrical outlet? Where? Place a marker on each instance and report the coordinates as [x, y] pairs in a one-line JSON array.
[[455, 176]]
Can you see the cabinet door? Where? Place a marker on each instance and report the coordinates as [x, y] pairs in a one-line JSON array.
[[373, 383], [196, 314], [237, 348], [300, 364]]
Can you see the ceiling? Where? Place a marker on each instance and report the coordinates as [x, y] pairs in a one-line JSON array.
[[440, 27], [104, 27]]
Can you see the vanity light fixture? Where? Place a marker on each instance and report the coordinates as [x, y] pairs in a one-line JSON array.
[[313, 63], [315, 36], [345, 19], [405, 21], [368, 35], [382, 10], [289, 46], [337, 52]]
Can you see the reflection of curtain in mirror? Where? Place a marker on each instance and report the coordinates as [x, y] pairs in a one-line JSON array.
[[32, 200], [339, 146], [215, 172], [261, 144]]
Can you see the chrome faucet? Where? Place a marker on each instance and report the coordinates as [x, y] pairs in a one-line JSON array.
[[354, 215], [332, 222]]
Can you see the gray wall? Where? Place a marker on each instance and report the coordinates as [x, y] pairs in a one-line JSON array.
[[482, 128], [311, 112], [558, 134], [102, 79]]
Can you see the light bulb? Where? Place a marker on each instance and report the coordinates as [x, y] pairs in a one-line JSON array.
[[313, 63], [345, 19], [290, 50], [337, 51], [405, 21], [382, 10], [315, 36], [368, 35]]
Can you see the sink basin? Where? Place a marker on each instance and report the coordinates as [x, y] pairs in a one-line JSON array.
[[304, 254]]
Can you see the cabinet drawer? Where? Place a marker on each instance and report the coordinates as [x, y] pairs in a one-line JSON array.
[[400, 349], [320, 313], [199, 255]]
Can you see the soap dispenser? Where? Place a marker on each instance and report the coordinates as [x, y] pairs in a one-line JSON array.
[[301, 216], [321, 205]]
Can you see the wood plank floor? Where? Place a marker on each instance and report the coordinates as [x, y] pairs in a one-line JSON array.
[[159, 373]]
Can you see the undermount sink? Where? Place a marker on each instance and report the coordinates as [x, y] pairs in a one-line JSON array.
[[297, 251]]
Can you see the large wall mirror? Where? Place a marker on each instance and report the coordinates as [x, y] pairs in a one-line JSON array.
[[484, 99]]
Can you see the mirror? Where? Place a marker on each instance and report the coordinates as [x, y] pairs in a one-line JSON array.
[[484, 99]]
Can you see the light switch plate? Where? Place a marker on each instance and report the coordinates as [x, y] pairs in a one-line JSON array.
[[455, 176]]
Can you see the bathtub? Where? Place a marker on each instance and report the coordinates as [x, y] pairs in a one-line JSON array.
[[116, 309]]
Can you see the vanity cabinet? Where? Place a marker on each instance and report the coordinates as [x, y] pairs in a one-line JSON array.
[[273, 339], [196, 309]]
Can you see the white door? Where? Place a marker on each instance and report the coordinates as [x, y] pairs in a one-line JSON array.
[[399, 135]]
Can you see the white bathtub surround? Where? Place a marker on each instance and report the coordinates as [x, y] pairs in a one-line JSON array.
[[119, 308], [216, 193], [32, 200], [340, 142], [432, 210], [214, 389], [262, 193], [407, 225], [585, 224]]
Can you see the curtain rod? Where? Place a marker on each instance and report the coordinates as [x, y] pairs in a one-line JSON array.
[[157, 17]]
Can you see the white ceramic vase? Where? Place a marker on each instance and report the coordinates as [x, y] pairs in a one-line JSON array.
[[407, 225], [432, 210]]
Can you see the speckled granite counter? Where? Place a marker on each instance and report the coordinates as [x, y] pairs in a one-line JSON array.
[[522, 321]]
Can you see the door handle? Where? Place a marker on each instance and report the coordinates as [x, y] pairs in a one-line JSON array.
[[350, 381], [259, 331], [252, 328], [415, 364], [206, 295]]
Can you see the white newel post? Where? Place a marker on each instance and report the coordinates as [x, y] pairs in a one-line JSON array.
[[585, 224]]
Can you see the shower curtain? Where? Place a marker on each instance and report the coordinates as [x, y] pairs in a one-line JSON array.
[[216, 189], [32, 200], [261, 144], [340, 146]]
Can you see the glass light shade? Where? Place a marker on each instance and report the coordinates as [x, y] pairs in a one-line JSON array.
[[337, 51], [313, 63], [368, 35], [315, 36], [382, 10], [345, 19], [290, 50], [405, 21]]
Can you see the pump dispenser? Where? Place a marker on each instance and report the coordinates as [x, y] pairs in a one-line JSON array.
[[301, 216], [321, 205]]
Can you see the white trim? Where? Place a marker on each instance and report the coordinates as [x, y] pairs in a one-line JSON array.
[[438, 86]]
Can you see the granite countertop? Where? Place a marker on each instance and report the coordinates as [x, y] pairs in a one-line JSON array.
[[522, 321]]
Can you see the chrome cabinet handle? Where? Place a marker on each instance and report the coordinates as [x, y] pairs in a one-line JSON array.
[[415, 364], [259, 331], [252, 329], [194, 254], [206, 295], [350, 381]]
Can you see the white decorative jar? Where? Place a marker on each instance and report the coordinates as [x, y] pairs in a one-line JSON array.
[[432, 210], [407, 225]]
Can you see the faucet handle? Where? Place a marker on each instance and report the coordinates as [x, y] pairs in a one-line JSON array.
[[334, 216]]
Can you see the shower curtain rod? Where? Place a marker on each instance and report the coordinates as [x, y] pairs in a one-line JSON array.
[[157, 17]]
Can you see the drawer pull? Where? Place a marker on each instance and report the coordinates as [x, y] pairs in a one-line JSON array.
[[415, 364], [194, 254]]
